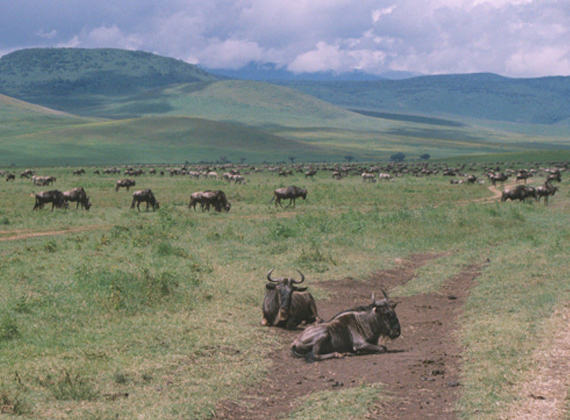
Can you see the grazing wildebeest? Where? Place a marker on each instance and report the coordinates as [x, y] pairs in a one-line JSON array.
[[217, 199], [498, 177], [471, 179], [195, 198], [10, 177], [545, 191], [310, 173], [367, 176], [520, 192], [291, 193], [286, 305], [145, 196], [355, 331], [55, 197], [523, 175], [79, 196], [42, 181], [125, 183]]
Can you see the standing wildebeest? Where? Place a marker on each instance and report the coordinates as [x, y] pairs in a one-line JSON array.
[[217, 199], [55, 197], [520, 192], [125, 183], [545, 191], [10, 177], [79, 196], [286, 305], [196, 198], [290, 193], [145, 196], [355, 331]]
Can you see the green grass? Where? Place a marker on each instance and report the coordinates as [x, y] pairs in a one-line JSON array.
[[165, 306]]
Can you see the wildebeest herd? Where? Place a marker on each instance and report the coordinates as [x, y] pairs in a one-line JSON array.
[[352, 331], [218, 200]]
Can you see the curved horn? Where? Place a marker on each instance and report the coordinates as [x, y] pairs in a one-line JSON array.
[[302, 278], [269, 276], [384, 293]]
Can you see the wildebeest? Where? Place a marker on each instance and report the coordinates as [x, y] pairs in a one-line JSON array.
[[291, 193], [520, 192], [286, 305], [498, 177], [545, 191], [10, 177], [55, 197], [217, 199], [367, 176], [79, 196], [195, 198], [355, 331], [125, 183], [144, 196], [42, 181]]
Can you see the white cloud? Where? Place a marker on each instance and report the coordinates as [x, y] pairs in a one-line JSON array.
[[431, 36]]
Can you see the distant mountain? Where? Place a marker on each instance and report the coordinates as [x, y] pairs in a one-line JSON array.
[[273, 72], [482, 96], [50, 76]]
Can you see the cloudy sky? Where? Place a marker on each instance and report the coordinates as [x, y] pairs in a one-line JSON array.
[[516, 38]]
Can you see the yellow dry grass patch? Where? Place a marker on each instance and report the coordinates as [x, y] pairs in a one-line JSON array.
[[544, 395]]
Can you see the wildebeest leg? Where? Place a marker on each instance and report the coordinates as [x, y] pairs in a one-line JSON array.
[[133, 204], [365, 347]]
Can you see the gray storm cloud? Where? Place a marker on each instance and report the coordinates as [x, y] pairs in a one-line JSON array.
[[518, 38]]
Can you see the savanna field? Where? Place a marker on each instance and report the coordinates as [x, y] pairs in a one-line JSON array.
[[114, 313]]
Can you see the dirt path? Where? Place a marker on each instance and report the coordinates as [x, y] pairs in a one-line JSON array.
[[420, 370], [16, 235]]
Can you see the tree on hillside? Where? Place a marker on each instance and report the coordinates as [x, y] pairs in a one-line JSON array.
[[348, 158], [398, 157], [425, 156]]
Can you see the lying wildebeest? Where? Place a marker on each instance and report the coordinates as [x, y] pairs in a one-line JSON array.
[[55, 197], [545, 191], [355, 331], [145, 196], [217, 199], [125, 183], [286, 305], [520, 192], [79, 196], [291, 193]]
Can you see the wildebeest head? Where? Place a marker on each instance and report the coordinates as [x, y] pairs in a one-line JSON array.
[[285, 287], [386, 311]]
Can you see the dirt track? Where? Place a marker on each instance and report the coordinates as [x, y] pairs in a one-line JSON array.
[[420, 370]]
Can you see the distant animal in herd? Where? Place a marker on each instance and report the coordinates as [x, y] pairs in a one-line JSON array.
[[287, 305], [55, 197], [144, 196], [291, 193], [546, 191], [125, 183], [354, 331]]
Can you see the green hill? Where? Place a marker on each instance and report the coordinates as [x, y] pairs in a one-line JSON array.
[[480, 96], [142, 108], [76, 78]]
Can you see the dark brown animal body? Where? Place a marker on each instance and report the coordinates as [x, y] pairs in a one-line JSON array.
[[291, 193], [55, 197], [217, 199], [355, 331], [520, 192], [286, 305], [546, 191], [125, 183], [144, 196], [79, 196]]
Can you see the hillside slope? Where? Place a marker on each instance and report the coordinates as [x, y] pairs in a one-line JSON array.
[[482, 96], [73, 78]]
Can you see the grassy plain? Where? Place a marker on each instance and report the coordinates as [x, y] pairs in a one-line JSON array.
[[120, 314]]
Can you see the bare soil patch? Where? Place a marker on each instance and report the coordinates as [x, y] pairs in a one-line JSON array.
[[420, 371]]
